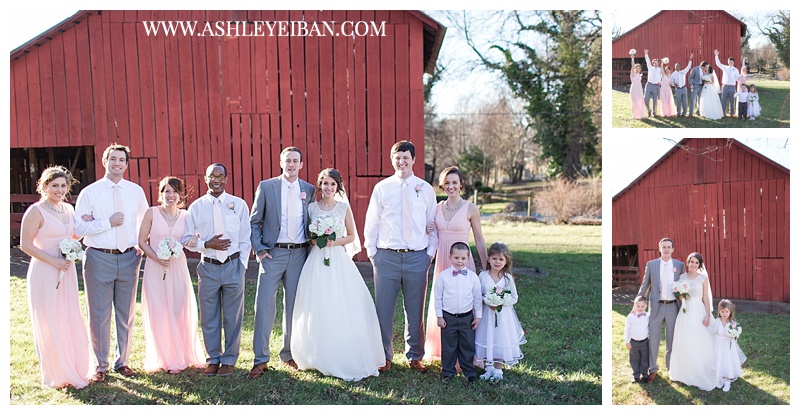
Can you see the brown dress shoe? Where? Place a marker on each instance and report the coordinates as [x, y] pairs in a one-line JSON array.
[[385, 368], [257, 371], [99, 377], [225, 370], [211, 369], [291, 364], [652, 377], [417, 365], [125, 371]]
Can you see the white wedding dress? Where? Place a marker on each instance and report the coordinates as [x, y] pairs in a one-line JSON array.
[[692, 359], [710, 105], [334, 326]]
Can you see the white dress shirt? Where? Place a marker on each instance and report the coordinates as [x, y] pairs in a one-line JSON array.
[[653, 72], [742, 97], [236, 218], [97, 200], [286, 235], [667, 279], [458, 294], [678, 78], [729, 73], [637, 328], [383, 226]]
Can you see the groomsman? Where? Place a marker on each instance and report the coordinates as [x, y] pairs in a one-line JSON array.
[[729, 77], [396, 242], [107, 215], [659, 275], [219, 220], [696, 82], [653, 83], [279, 223], [678, 78]]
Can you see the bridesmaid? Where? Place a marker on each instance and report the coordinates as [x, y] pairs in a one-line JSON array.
[[169, 307], [637, 93], [668, 108], [59, 331], [455, 217]]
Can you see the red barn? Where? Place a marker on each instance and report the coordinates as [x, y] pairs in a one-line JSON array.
[[183, 101], [729, 203], [676, 34]]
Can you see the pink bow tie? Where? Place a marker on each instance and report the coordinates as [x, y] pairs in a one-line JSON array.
[[456, 272], [639, 315]]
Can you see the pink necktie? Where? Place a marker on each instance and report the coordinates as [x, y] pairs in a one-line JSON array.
[[219, 228], [291, 213], [119, 206], [407, 222]]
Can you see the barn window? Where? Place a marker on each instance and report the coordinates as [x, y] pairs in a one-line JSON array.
[[625, 264]]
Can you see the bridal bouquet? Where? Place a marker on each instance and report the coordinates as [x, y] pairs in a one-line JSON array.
[[733, 330], [168, 248], [71, 250], [324, 228], [680, 289], [497, 300], [706, 79]]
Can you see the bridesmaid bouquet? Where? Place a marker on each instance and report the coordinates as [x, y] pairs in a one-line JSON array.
[[323, 229], [71, 250], [680, 289], [497, 300], [733, 330], [168, 248], [632, 52]]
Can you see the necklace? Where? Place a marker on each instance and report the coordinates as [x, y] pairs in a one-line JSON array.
[[51, 207], [167, 217], [453, 209]]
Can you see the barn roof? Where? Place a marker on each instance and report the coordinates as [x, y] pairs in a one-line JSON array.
[[433, 35], [742, 25], [677, 147]]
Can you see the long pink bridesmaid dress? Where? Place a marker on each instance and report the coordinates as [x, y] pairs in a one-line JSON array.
[[59, 330], [668, 108], [169, 306], [456, 230], [637, 96]]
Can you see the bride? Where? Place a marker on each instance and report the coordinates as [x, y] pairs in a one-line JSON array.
[[693, 343], [335, 327], [710, 105]]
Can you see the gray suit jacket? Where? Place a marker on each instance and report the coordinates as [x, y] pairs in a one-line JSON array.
[[695, 76], [652, 282], [265, 216]]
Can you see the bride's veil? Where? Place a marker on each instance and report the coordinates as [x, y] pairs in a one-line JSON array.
[[715, 82], [354, 247], [710, 296]]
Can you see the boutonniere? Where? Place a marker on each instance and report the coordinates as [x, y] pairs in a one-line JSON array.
[[417, 188], [674, 270], [231, 207], [303, 196]]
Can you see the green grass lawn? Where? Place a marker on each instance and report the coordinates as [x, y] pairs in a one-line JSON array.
[[773, 96], [765, 381], [562, 363]]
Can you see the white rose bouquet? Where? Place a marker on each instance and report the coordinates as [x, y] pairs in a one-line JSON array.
[[168, 248], [632, 52], [680, 289], [733, 330], [497, 300], [71, 250], [323, 229]]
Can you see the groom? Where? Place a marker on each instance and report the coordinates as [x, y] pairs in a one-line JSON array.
[[396, 242], [659, 275], [278, 223], [696, 82]]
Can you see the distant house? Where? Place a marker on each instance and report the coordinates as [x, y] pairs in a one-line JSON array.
[[676, 34], [716, 197], [182, 102]]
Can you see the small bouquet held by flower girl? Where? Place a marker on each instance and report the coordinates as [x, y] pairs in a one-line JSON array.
[[71, 250], [680, 289], [497, 300], [733, 330], [323, 229], [168, 248]]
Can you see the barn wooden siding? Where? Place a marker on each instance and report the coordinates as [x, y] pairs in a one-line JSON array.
[[731, 206], [182, 103], [678, 33]]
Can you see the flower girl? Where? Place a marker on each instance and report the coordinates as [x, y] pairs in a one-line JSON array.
[[728, 355], [499, 334], [753, 107]]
